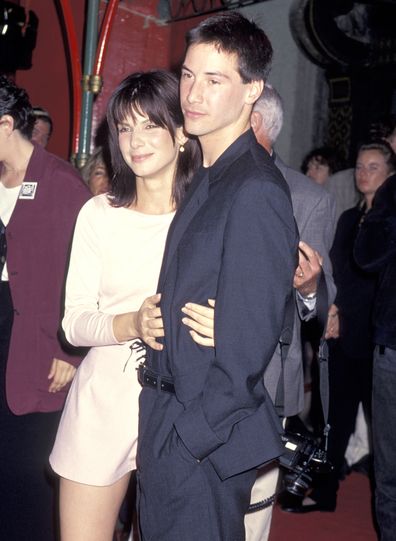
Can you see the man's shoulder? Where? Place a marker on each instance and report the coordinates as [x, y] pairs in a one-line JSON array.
[[60, 166], [62, 177], [259, 166]]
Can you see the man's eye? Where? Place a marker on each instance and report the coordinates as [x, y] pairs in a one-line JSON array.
[[214, 82]]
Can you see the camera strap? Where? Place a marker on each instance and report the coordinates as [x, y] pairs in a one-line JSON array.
[[285, 340], [322, 309]]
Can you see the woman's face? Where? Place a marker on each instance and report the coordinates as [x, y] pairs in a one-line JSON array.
[[147, 149], [371, 171], [318, 171], [98, 181]]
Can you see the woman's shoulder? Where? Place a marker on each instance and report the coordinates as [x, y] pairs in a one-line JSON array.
[[96, 209]]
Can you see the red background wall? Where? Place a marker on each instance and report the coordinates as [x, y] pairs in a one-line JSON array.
[[47, 82], [140, 40]]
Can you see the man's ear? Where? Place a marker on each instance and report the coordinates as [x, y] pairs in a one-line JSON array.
[[255, 91], [256, 121], [7, 124]]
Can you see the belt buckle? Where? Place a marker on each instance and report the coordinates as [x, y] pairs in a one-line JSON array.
[[146, 377]]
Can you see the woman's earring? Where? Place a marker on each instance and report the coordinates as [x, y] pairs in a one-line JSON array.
[[181, 148]]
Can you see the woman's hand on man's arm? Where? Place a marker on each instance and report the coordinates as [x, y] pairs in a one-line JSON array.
[[200, 319]]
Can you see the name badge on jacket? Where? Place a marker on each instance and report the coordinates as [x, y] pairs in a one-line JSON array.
[[28, 190]]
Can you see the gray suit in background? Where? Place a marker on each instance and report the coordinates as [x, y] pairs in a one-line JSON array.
[[342, 187], [315, 213]]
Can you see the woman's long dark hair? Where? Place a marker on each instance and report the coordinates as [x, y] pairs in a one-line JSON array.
[[155, 94]]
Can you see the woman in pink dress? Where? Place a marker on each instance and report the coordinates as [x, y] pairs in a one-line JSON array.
[[115, 263]]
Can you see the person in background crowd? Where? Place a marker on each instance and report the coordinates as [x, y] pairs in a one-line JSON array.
[[320, 163], [95, 173], [314, 210], [351, 351], [40, 196], [375, 251], [43, 126]]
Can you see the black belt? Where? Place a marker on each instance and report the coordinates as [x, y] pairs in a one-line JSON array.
[[147, 378]]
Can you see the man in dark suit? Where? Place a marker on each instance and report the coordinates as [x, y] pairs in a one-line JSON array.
[[206, 420]]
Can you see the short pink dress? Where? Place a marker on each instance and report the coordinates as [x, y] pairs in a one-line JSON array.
[[115, 264]]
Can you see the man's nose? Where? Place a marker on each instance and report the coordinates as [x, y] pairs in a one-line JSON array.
[[195, 92]]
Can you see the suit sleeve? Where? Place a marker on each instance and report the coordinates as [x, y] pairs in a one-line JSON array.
[[255, 281], [318, 232]]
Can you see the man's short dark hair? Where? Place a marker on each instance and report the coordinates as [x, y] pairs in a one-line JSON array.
[[14, 101], [232, 33]]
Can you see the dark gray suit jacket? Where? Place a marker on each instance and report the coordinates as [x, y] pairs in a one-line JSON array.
[[233, 239]]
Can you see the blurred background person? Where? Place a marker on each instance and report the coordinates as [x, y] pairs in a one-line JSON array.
[[320, 163], [375, 251], [43, 127], [40, 196], [325, 166], [95, 173], [349, 325]]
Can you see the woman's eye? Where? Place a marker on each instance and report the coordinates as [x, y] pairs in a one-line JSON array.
[[151, 126], [124, 129]]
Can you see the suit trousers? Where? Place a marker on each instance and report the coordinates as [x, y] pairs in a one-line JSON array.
[[258, 523], [384, 440], [179, 497]]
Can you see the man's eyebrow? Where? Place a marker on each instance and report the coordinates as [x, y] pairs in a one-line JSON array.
[[216, 74], [210, 73]]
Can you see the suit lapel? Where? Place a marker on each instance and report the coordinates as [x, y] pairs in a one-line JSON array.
[[195, 196]]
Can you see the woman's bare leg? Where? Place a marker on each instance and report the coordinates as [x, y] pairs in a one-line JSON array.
[[89, 513]]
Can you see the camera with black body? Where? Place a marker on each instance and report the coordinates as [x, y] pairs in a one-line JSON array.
[[303, 458]]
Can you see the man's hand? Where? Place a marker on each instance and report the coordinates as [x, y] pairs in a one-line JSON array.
[[201, 321], [61, 373], [333, 323], [308, 270], [149, 322]]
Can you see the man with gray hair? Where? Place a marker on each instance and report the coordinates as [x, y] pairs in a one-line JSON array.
[[314, 211]]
